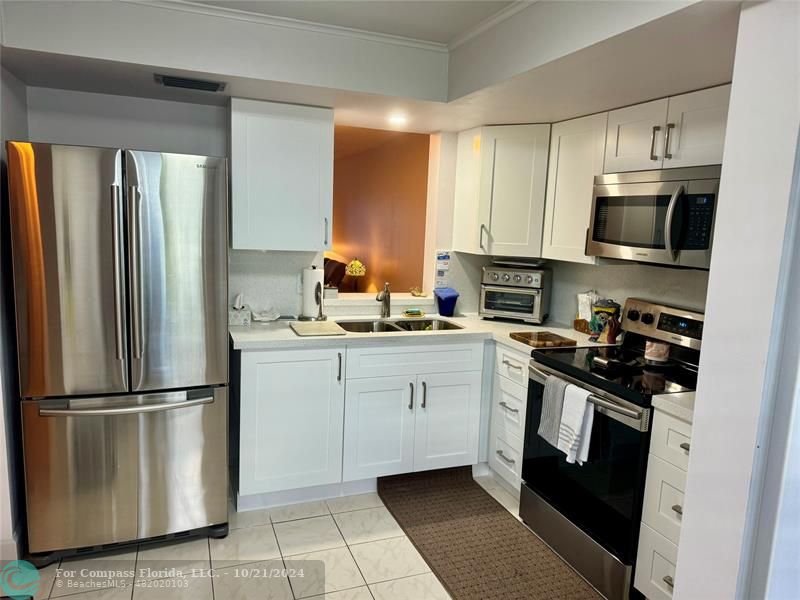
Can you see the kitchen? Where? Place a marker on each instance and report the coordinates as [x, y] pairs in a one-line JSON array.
[[549, 190]]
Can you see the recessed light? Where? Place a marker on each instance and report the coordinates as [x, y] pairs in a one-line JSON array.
[[398, 119]]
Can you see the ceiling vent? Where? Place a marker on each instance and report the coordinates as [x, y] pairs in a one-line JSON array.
[[190, 84]]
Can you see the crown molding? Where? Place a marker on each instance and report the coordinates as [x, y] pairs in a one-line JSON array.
[[495, 19], [288, 23]]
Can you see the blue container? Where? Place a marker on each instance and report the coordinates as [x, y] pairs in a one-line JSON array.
[[446, 297]]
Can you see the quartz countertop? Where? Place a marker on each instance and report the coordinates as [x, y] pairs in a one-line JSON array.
[[680, 405], [278, 334]]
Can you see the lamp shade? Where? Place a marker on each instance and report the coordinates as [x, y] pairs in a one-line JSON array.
[[355, 268]]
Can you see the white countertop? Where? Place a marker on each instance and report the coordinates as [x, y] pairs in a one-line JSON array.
[[680, 405], [266, 336]]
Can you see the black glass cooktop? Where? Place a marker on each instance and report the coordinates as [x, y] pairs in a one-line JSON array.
[[621, 371]]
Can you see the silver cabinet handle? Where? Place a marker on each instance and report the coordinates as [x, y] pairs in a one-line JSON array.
[[508, 461], [673, 202], [480, 237], [656, 129], [667, 153], [125, 410], [685, 446], [669, 580], [505, 405], [116, 242], [511, 365], [326, 231], [678, 509], [411, 401], [134, 219], [424, 394], [339, 376]]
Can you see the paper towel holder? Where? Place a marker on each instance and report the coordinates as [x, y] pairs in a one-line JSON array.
[[319, 299]]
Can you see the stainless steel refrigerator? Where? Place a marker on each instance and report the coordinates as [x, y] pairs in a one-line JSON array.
[[120, 282]]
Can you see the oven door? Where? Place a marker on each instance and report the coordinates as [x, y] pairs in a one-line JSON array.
[[603, 497], [513, 303]]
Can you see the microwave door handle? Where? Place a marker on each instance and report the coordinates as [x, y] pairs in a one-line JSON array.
[[673, 202]]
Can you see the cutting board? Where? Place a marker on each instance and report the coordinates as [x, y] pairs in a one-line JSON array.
[[309, 328], [542, 339]]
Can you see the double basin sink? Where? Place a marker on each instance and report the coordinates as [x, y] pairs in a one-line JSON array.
[[394, 326]]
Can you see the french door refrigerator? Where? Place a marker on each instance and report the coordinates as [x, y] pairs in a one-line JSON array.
[[120, 281]]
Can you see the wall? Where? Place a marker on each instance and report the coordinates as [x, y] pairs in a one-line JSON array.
[[82, 118], [13, 124], [679, 287], [734, 395], [379, 207]]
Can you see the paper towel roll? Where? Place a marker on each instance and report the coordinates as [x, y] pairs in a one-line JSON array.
[[311, 278]]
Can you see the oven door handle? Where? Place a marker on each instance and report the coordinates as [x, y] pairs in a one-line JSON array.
[[673, 202]]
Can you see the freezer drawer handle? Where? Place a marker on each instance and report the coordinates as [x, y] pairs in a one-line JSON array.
[[127, 410]]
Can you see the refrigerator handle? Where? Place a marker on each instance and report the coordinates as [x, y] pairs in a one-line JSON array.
[[116, 240], [124, 410], [134, 233]]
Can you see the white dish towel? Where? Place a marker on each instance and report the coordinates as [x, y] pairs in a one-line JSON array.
[[575, 432]]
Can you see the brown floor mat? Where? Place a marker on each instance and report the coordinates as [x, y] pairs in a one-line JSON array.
[[476, 548]]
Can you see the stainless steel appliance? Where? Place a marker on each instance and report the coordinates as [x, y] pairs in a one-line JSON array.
[[664, 217], [120, 281], [515, 292], [591, 514]]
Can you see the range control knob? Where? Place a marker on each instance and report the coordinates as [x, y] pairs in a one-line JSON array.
[[633, 315], [529, 279], [494, 276], [517, 278], [506, 277], [648, 318]]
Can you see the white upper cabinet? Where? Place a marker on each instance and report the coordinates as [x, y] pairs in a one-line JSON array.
[[576, 156], [696, 128], [512, 188], [499, 190], [681, 131], [281, 176], [635, 137]]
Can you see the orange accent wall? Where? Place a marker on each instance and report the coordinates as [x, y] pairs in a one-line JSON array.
[[379, 200]]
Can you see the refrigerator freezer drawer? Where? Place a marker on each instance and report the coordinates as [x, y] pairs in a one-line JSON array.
[[107, 470]]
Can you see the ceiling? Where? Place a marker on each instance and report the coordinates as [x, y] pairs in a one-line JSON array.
[[438, 21], [349, 141]]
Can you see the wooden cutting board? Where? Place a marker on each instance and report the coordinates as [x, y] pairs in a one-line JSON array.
[[542, 339], [309, 328]]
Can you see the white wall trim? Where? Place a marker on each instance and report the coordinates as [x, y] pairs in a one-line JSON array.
[[491, 21], [289, 23]]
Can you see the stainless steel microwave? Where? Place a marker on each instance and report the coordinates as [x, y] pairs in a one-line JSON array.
[[664, 217]]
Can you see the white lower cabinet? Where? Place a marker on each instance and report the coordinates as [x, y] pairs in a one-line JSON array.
[[291, 423], [655, 565]]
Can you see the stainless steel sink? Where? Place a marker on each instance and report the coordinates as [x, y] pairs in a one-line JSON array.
[[426, 325], [369, 326]]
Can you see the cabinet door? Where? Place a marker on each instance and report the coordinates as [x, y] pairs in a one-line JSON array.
[[447, 420], [635, 137], [512, 189], [696, 127], [577, 148], [466, 228], [292, 413], [379, 427], [281, 176]]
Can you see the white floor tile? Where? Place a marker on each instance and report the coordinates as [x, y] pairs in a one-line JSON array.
[[247, 518], [358, 502], [361, 593], [46, 577], [418, 587], [73, 578], [320, 572], [262, 580], [367, 525], [293, 512], [308, 535], [177, 588], [388, 559], [162, 560], [243, 546]]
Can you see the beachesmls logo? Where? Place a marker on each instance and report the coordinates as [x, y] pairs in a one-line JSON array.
[[19, 579]]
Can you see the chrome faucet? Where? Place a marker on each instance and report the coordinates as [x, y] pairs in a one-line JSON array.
[[385, 298]]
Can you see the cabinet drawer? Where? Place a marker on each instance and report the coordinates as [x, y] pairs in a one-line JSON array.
[[505, 458], [509, 401], [670, 440], [663, 498], [512, 364], [655, 565], [413, 360]]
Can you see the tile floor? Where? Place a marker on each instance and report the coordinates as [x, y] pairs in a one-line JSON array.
[[348, 548]]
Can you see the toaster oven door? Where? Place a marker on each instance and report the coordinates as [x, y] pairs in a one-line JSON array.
[[513, 303]]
